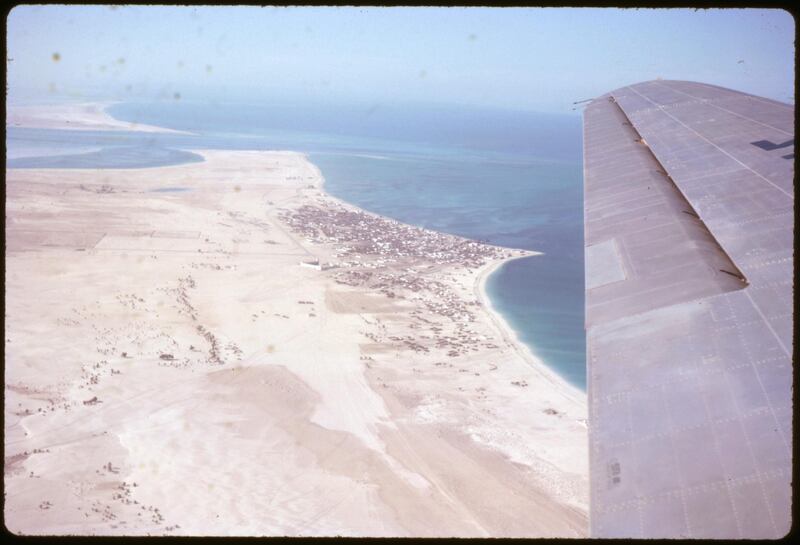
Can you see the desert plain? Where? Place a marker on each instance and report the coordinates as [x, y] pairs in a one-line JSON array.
[[222, 348]]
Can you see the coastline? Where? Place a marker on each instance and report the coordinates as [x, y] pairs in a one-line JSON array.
[[378, 379], [563, 398], [507, 331], [511, 336], [105, 121], [433, 428]]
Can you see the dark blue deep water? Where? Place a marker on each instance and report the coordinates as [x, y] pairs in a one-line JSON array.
[[508, 178]]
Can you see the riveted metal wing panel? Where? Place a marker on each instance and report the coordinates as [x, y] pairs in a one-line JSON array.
[[689, 214]]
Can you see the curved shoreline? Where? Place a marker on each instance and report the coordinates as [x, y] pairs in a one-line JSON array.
[[510, 335], [505, 329], [263, 354]]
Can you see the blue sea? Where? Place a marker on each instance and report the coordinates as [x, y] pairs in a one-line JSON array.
[[505, 177]]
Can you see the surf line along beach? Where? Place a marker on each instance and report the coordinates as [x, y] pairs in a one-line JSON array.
[[173, 368]]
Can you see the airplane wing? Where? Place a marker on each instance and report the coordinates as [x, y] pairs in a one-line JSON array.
[[689, 216]]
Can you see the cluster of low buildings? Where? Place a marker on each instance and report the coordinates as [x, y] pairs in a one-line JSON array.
[[358, 234], [399, 260]]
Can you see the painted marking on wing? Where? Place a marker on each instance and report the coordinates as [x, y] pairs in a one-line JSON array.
[[661, 108]]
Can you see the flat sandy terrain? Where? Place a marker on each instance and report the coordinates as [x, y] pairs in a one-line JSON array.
[[83, 117], [172, 368]]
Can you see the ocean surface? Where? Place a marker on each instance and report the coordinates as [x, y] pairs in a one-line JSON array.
[[504, 177]]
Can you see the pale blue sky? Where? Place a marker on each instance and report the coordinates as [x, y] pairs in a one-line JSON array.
[[521, 58]]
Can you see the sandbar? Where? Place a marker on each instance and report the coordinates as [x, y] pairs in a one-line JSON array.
[[87, 116]]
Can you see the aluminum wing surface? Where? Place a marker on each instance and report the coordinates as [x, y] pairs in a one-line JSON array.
[[689, 215]]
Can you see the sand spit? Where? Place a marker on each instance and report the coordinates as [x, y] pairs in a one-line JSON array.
[[253, 357], [90, 116]]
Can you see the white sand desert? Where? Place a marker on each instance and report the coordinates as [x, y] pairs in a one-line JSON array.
[[172, 368]]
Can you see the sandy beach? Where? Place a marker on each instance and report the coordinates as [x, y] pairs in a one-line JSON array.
[[89, 116], [221, 348]]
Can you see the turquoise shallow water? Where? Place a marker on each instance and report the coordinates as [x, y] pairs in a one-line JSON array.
[[508, 178]]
